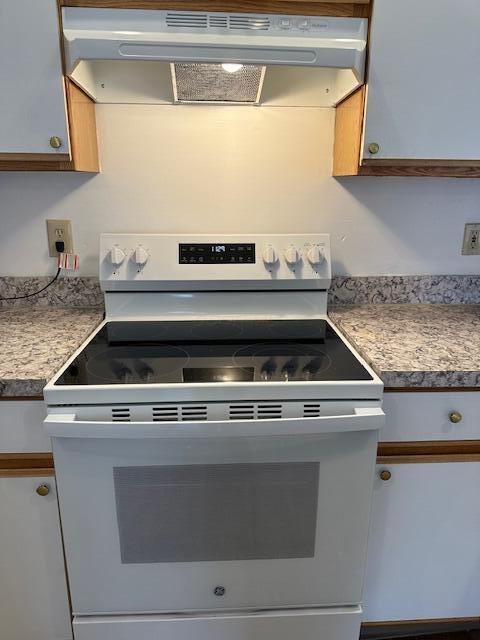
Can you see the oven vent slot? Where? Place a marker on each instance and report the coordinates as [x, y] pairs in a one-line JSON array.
[[311, 410], [194, 412], [241, 412], [165, 414], [187, 20], [122, 414], [269, 411]]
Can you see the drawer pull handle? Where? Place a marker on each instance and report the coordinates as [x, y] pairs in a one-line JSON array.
[[55, 142], [455, 417], [385, 475], [43, 490]]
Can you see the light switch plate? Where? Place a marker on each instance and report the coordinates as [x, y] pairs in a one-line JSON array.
[[59, 230], [471, 239]]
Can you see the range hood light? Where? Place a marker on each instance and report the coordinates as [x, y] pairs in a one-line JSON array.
[[231, 67]]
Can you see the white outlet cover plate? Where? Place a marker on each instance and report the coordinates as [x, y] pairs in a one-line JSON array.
[[59, 230], [472, 230]]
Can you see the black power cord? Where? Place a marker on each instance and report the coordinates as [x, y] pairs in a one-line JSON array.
[[29, 295], [60, 247]]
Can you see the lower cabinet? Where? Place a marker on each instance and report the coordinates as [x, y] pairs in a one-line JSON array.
[[33, 590], [424, 547]]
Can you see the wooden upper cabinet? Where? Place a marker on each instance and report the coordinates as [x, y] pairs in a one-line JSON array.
[[41, 126], [419, 113]]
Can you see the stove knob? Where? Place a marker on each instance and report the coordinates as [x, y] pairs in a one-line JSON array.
[[289, 369], [268, 369], [140, 256], [117, 256], [315, 255], [292, 257], [269, 255]]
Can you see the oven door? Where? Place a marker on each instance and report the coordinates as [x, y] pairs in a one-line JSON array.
[[162, 517]]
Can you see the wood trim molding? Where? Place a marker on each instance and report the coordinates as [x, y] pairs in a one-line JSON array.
[[426, 621], [428, 458], [34, 157], [83, 129], [340, 8], [25, 473], [463, 171], [431, 389], [348, 134], [36, 165], [21, 398], [429, 447], [389, 162], [26, 460]]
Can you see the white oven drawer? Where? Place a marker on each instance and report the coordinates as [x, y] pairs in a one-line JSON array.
[[428, 416], [307, 624], [234, 515]]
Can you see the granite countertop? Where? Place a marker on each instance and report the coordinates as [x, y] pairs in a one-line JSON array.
[[415, 345], [36, 341]]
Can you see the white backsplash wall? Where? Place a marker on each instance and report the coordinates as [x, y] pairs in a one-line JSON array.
[[236, 169]]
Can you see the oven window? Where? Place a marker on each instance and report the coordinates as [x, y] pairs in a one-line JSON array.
[[216, 512]]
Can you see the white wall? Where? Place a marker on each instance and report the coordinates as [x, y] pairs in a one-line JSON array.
[[237, 169]]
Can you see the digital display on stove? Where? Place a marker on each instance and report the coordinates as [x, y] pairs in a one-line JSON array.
[[206, 253]]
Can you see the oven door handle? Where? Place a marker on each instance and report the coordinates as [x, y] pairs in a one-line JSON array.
[[59, 425]]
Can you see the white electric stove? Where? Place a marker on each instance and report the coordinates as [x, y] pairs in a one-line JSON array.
[[214, 442]]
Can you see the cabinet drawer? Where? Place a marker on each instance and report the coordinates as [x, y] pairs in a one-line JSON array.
[[427, 416], [21, 428]]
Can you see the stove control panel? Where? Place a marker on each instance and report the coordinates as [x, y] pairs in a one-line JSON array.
[[164, 262]]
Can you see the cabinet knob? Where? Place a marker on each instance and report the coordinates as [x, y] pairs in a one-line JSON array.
[[55, 142], [385, 475], [455, 417], [373, 148], [43, 490]]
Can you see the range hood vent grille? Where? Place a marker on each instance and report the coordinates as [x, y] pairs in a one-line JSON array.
[[187, 20], [218, 22], [207, 83], [252, 23], [183, 20]]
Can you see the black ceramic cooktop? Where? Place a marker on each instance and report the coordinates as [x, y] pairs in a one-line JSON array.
[[172, 352]]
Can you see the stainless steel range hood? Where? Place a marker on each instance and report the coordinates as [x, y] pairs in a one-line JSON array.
[[174, 57]]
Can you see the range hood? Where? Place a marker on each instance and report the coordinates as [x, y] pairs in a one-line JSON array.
[[176, 57]]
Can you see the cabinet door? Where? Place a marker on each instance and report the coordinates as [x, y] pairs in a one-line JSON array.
[[424, 551], [423, 89], [32, 92], [33, 590]]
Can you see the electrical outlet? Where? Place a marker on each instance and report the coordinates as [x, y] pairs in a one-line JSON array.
[[471, 239], [59, 231]]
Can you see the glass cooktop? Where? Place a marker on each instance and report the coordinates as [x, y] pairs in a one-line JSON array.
[[212, 351]]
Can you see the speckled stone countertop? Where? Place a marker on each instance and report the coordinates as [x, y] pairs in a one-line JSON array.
[[415, 345], [36, 341]]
